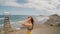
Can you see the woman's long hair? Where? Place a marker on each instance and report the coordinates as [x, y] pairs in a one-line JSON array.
[[32, 21]]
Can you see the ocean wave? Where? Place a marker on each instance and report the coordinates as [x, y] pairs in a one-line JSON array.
[[1, 25], [41, 20], [20, 22], [1, 18], [17, 24]]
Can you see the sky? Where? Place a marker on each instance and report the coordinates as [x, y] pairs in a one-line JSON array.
[[30, 7]]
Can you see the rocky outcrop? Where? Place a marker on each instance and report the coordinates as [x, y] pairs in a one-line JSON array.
[[53, 21], [7, 28]]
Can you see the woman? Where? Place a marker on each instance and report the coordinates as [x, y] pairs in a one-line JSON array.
[[29, 23]]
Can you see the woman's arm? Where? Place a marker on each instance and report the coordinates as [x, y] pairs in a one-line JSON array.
[[25, 24]]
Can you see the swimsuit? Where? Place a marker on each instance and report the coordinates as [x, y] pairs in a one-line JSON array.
[[29, 28]]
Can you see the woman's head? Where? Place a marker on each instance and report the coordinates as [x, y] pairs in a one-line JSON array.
[[30, 18]]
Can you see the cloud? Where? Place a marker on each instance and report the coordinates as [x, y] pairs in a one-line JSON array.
[[9, 3], [51, 6]]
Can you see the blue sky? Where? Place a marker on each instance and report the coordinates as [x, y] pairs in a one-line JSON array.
[[17, 11], [30, 7]]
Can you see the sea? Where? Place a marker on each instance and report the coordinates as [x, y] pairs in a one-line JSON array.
[[15, 20]]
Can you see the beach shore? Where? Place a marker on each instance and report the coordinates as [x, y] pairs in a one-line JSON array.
[[42, 30]]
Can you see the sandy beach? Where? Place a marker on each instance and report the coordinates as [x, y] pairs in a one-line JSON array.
[[42, 30]]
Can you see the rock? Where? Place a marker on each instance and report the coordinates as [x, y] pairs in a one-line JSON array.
[[53, 21], [7, 28]]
